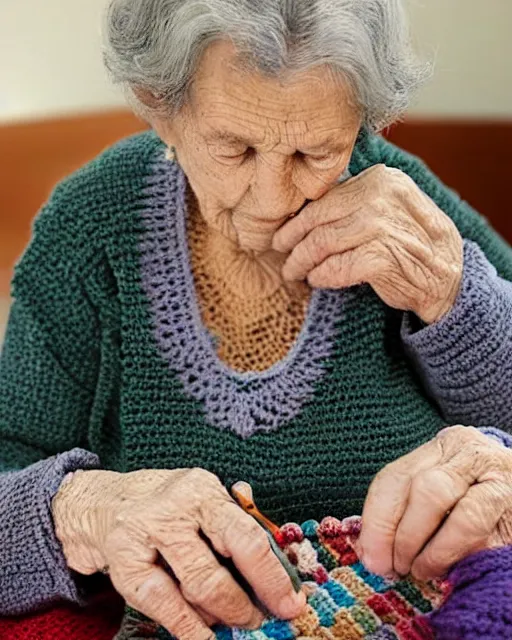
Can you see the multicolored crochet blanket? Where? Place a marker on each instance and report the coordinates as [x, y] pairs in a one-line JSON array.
[[345, 601]]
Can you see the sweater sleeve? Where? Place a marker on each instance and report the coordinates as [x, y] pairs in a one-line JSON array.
[[465, 359], [48, 379]]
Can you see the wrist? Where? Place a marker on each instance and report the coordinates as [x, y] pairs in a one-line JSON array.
[[83, 510], [438, 311]]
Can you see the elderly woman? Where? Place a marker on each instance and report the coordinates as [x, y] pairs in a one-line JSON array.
[[261, 289]]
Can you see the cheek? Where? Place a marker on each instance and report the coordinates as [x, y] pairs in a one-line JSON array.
[[216, 187]]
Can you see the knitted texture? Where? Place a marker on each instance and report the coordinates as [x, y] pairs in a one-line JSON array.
[[33, 570], [243, 403], [460, 355], [85, 362], [344, 600], [253, 317], [480, 606], [99, 621]]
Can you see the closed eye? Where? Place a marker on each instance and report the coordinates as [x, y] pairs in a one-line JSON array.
[[326, 161], [236, 156]]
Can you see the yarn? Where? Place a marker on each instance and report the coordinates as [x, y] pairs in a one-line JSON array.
[[99, 621], [344, 600]]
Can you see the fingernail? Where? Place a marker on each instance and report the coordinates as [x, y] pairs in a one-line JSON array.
[[392, 576], [360, 552], [292, 606], [257, 620]]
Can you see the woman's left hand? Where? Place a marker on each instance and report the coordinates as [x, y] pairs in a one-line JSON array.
[[381, 229], [433, 507]]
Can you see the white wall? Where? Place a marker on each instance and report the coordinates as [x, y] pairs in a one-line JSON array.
[[471, 44], [50, 59], [50, 62]]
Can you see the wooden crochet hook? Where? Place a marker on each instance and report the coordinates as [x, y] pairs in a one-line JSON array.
[[242, 492]]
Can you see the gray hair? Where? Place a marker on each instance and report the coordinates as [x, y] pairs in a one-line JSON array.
[[155, 45]]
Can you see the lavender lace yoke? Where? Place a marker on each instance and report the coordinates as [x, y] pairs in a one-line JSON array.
[[243, 402]]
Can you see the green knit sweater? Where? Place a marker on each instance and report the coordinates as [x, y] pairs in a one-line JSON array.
[[96, 351]]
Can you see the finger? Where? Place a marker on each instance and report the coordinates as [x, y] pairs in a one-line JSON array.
[[467, 529], [205, 583], [147, 587], [433, 493], [386, 503], [239, 536], [209, 620], [156, 595], [322, 211], [324, 241], [353, 267]]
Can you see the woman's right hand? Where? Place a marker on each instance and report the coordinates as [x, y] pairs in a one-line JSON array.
[[128, 523]]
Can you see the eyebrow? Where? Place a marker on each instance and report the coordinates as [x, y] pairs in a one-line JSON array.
[[230, 138], [331, 141]]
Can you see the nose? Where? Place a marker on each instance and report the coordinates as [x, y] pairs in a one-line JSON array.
[[274, 192]]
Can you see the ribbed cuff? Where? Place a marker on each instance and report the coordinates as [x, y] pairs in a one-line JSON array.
[[502, 437], [33, 570], [465, 359]]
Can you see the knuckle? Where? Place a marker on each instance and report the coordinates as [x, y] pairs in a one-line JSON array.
[[207, 589], [426, 484], [184, 625], [304, 224], [241, 529], [475, 518], [452, 440], [380, 169], [196, 488], [256, 542], [218, 584], [149, 591], [458, 433], [318, 241], [391, 468], [380, 202], [402, 186], [196, 475], [437, 488], [481, 458], [397, 179]]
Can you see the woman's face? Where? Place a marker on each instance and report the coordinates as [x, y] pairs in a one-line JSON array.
[[255, 149]]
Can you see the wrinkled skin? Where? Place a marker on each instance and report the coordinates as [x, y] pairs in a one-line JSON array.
[[433, 507], [126, 522], [256, 150], [378, 228]]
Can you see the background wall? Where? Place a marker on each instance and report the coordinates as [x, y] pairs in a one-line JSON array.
[[58, 109], [51, 61]]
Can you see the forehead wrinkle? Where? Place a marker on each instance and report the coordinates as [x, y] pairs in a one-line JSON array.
[[261, 105], [233, 123]]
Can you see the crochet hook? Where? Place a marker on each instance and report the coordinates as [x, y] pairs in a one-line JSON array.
[[243, 494]]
